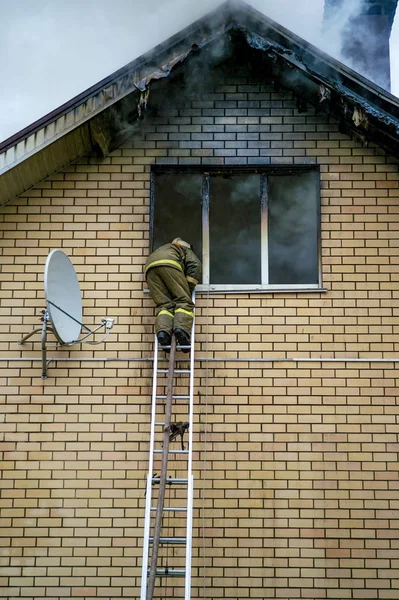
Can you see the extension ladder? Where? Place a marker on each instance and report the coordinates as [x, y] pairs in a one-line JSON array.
[[168, 520]]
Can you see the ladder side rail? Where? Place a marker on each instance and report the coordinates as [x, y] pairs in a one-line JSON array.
[[189, 538], [162, 482], [148, 504], [190, 487]]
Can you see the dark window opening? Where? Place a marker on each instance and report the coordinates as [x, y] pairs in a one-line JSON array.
[[254, 230], [293, 229], [234, 229], [178, 209]]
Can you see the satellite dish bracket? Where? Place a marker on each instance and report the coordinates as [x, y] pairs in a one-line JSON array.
[[46, 327]]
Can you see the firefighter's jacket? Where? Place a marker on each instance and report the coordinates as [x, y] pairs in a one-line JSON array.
[[177, 257]]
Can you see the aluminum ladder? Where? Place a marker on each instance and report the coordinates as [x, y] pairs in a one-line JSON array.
[[166, 516]]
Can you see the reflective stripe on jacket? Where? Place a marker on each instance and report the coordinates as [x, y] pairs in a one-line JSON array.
[[177, 257]]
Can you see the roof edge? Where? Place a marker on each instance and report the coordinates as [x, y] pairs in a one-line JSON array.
[[148, 56], [226, 14]]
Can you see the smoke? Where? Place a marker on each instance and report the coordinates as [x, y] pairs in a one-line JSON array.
[[333, 34], [178, 210], [55, 50], [395, 56], [293, 223], [362, 43], [235, 232]]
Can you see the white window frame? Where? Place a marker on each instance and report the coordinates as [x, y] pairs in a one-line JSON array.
[[264, 286]]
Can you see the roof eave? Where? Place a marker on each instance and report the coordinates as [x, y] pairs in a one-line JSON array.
[[226, 13], [261, 33]]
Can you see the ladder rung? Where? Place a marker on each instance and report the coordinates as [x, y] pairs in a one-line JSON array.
[[169, 540], [171, 509], [174, 397], [172, 451], [172, 480], [160, 424], [177, 347], [170, 572], [178, 371]]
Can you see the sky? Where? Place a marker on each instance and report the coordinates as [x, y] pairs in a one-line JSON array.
[[54, 49]]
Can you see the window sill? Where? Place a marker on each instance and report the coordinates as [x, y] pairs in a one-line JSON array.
[[202, 290], [248, 289]]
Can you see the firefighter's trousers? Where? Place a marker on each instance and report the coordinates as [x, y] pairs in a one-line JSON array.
[[170, 291]]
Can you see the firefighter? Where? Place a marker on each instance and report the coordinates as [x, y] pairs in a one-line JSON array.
[[172, 272]]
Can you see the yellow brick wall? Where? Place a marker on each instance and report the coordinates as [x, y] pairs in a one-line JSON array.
[[296, 461]]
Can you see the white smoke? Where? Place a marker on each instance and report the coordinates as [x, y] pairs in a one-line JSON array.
[[345, 39], [52, 51], [395, 56], [332, 38]]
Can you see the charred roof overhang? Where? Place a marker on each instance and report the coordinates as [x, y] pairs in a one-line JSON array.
[[262, 33], [367, 120]]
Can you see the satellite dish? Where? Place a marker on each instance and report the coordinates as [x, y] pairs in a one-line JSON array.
[[63, 297], [63, 313]]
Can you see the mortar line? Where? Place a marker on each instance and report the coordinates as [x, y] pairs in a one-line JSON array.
[[218, 359]]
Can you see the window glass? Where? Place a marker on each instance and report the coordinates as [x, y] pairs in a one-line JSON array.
[[177, 209], [235, 229], [293, 228]]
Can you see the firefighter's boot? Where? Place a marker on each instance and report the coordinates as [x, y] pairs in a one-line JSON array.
[[183, 339], [164, 339]]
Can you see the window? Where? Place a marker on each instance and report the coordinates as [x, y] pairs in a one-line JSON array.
[[254, 230]]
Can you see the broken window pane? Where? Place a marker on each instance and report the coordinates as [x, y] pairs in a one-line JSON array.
[[293, 228], [235, 229], [177, 209]]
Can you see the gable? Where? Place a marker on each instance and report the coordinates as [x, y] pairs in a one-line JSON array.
[[100, 118]]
